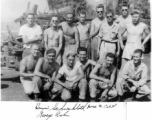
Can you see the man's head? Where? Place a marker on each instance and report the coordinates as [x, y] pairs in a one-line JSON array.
[[34, 50], [70, 58], [135, 16], [82, 51], [125, 10], [54, 20], [110, 57], [100, 10], [51, 54], [82, 16], [69, 17], [137, 56], [30, 18], [109, 16]]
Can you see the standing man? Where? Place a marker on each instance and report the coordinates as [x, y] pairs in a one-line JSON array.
[[95, 25], [31, 33], [53, 38], [134, 75], [71, 35], [74, 75], [103, 76], [86, 63], [108, 34], [46, 71], [135, 31], [27, 67]]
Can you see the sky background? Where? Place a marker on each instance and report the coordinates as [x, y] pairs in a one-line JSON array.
[[12, 9]]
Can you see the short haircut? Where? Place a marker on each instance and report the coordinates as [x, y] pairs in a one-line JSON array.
[[51, 50], [82, 49], [29, 13], [82, 12], [135, 11], [35, 44], [70, 53], [111, 55], [139, 51], [54, 15], [125, 5], [70, 12], [110, 11], [100, 6]]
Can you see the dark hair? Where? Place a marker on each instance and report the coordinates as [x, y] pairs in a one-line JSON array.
[[125, 5], [111, 55], [70, 12], [54, 15], [82, 12], [82, 49], [100, 6], [51, 50], [110, 11], [135, 11], [139, 51]]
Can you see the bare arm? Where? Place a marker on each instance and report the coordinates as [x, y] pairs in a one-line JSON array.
[[46, 39], [60, 43], [93, 74], [89, 62], [147, 32], [38, 72], [112, 78], [23, 69], [76, 35], [58, 80], [30, 41]]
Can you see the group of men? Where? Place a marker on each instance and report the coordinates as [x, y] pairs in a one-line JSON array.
[[79, 57]]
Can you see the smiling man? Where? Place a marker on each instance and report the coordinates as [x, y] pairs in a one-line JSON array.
[[133, 77]]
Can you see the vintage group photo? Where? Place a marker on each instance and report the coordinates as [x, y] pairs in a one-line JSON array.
[[76, 51]]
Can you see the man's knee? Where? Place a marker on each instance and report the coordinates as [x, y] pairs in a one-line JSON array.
[[133, 89], [119, 81], [83, 82], [92, 87], [66, 97], [92, 82], [113, 93], [36, 79]]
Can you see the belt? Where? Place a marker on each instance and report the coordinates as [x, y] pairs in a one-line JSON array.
[[108, 41]]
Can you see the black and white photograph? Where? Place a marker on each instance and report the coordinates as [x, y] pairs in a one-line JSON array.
[[76, 50]]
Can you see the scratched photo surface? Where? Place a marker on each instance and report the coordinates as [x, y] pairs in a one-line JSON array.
[[75, 51]]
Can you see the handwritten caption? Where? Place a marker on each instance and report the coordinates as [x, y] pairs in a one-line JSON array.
[[64, 109]]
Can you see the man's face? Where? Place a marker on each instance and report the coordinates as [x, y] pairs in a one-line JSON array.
[[82, 55], [124, 11], [30, 19], [100, 12], [136, 58], [34, 50], [69, 18], [82, 18], [70, 61], [54, 21], [109, 17], [135, 18], [51, 57], [109, 61]]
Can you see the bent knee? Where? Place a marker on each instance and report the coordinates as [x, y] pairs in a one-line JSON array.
[[36, 79], [133, 89], [92, 82]]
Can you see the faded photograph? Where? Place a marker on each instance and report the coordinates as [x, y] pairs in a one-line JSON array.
[[76, 50]]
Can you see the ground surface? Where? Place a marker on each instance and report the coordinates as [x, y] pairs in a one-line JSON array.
[[13, 91]]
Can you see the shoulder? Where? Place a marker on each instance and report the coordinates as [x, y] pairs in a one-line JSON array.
[[56, 65], [23, 27], [143, 24], [94, 20], [78, 64], [24, 60], [46, 30], [38, 26], [143, 65]]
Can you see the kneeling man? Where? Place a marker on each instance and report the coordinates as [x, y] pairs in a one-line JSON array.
[[46, 71], [74, 76], [102, 77], [134, 77]]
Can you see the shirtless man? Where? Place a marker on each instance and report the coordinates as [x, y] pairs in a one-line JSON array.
[[135, 31], [31, 33], [84, 30], [95, 24], [46, 71], [71, 35], [86, 63], [103, 76], [27, 67], [53, 38]]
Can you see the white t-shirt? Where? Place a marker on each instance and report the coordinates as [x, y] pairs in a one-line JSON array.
[[70, 75], [30, 32]]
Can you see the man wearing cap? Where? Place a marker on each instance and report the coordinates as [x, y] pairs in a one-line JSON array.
[[31, 33], [133, 77], [95, 25], [71, 35], [74, 78], [46, 71], [53, 37], [102, 79], [27, 66], [108, 34], [135, 31]]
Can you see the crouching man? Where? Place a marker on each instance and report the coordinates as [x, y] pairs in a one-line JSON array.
[[74, 76], [45, 72], [102, 77], [133, 77]]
